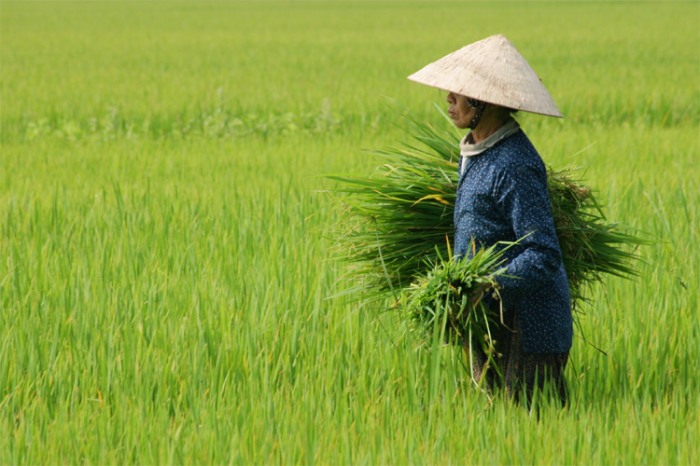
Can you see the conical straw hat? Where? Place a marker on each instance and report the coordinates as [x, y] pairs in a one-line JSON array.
[[493, 71]]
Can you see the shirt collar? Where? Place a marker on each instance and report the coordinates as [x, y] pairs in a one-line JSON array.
[[468, 149]]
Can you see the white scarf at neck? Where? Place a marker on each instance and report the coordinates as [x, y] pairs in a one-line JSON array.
[[468, 149]]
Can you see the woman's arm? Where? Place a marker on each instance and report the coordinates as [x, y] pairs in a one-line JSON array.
[[524, 199]]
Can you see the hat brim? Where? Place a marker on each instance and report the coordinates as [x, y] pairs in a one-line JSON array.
[[492, 71]]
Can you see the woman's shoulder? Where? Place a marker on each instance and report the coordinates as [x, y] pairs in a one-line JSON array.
[[517, 143], [516, 161], [516, 150]]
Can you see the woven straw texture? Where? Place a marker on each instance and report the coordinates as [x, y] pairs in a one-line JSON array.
[[493, 71]]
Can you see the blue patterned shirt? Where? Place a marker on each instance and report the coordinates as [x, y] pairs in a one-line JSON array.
[[502, 196]]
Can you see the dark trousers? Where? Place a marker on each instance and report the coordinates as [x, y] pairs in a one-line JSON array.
[[521, 374]]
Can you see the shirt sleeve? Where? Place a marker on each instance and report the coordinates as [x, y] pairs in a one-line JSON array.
[[524, 199]]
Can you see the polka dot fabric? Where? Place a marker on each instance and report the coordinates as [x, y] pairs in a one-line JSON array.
[[502, 196]]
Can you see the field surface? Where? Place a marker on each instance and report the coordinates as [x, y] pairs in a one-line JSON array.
[[169, 292]]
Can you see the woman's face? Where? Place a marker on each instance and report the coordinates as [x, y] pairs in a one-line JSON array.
[[460, 112]]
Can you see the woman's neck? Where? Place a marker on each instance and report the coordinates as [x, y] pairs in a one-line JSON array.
[[493, 119]]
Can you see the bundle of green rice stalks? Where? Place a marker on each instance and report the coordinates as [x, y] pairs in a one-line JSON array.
[[445, 302], [404, 213]]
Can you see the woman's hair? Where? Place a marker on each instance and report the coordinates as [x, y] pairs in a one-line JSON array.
[[480, 106]]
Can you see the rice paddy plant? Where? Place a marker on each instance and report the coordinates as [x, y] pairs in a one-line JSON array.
[[443, 301], [168, 292]]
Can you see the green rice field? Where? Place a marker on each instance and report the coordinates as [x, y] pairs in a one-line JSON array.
[[170, 291]]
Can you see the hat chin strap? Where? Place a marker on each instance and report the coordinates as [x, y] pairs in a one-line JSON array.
[[479, 106]]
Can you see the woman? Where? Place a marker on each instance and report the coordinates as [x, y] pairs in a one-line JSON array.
[[502, 196]]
